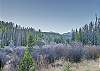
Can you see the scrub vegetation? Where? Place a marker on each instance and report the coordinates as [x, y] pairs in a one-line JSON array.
[[25, 49]]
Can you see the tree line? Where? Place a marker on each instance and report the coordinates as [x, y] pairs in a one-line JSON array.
[[88, 34], [13, 34], [17, 35]]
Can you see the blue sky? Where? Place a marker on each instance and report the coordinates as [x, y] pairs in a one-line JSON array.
[[50, 15]]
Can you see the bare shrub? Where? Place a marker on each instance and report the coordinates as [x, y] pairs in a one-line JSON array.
[[72, 52]]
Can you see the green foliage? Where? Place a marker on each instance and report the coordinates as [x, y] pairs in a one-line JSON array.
[[33, 39], [88, 34], [26, 62], [77, 36], [59, 40], [24, 42], [22, 36], [67, 66], [73, 35]]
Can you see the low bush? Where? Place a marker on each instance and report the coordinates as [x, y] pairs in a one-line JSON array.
[[72, 52], [11, 56]]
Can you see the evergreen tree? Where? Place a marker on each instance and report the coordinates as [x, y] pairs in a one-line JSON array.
[[80, 35], [73, 35], [89, 34], [31, 40], [77, 36], [26, 63]]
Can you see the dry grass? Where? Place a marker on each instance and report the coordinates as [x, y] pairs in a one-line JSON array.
[[82, 66], [86, 66]]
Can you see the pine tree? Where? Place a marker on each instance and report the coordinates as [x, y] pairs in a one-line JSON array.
[[73, 35], [31, 40], [80, 35], [26, 62]]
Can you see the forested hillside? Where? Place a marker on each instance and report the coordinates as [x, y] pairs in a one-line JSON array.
[[13, 34], [25, 49], [88, 34]]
